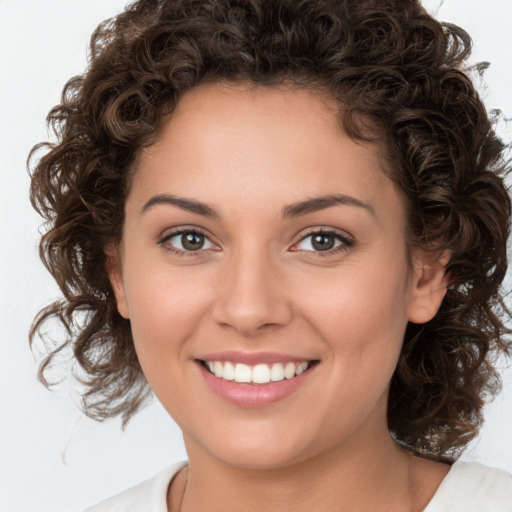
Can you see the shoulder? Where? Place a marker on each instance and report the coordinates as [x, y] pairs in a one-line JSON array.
[[148, 496], [471, 486]]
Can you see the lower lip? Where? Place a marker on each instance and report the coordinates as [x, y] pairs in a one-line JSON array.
[[253, 395]]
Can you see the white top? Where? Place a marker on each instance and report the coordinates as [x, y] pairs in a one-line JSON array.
[[472, 487], [468, 487]]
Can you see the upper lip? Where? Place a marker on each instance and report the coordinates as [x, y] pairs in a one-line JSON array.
[[253, 358]]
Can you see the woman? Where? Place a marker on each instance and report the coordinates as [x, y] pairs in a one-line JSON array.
[[288, 220]]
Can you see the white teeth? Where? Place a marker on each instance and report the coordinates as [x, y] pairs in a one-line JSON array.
[[228, 371], [242, 373], [261, 374], [258, 374], [289, 370], [277, 372], [218, 369], [301, 368]]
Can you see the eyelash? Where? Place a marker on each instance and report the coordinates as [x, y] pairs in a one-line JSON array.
[[346, 243], [168, 247]]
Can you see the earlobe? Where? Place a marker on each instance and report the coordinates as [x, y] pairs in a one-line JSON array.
[[115, 274], [429, 287]]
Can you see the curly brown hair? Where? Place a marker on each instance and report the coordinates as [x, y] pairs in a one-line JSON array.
[[391, 67]]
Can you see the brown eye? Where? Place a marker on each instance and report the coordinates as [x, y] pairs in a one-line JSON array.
[[322, 242], [188, 241], [192, 241]]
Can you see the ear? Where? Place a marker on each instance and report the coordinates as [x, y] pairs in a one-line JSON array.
[[429, 284], [115, 274]]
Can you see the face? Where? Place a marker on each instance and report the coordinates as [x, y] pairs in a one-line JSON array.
[[263, 269]]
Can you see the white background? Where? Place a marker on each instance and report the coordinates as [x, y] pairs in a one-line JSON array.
[[52, 458]]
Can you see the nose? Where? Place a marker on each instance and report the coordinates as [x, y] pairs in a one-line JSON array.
[[252, 295]]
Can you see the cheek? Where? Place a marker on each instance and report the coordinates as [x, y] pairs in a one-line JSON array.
[[360, 313], [165, 309], [360, 317]]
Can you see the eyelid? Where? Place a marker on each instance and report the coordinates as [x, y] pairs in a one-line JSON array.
[[164, 239], [347, 241]]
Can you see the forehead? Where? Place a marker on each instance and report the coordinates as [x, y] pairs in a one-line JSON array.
[[242, 144]]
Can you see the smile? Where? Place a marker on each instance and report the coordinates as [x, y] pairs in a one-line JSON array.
[[257, 374], [257, 379]]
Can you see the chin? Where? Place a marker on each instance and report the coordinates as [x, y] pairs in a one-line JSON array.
[[256, 458], [265, 448]]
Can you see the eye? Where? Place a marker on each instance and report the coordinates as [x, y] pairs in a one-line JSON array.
[[187, 241], [324, 242]]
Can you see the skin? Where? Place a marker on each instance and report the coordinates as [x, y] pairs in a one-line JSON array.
[[259, 285]]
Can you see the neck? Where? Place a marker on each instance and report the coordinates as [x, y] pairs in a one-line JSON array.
[[378, 477]]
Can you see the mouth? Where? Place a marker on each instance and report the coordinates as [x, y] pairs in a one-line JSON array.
[[259, 374]]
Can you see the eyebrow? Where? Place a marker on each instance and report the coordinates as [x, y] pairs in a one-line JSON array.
[[189, 205], [316, 204], [298, 209]]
